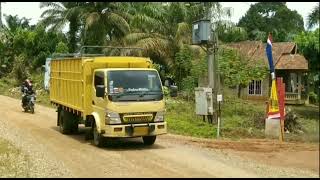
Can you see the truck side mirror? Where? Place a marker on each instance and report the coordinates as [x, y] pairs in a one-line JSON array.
[[173, 91], [100, 91]]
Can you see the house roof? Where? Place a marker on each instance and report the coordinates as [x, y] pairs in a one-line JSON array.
[[292, 61], [255, 50]]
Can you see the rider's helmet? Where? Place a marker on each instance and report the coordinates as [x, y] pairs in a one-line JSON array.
[[28, 83]]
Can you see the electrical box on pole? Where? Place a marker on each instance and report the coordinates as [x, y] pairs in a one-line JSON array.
[[204, 101], [201, 32]]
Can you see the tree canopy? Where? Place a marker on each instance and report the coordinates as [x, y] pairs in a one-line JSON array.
[[274, 17], [314, 17]]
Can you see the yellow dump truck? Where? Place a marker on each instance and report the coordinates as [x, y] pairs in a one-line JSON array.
[[117, 96]]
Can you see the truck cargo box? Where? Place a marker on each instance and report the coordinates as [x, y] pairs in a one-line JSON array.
[[71, 79]]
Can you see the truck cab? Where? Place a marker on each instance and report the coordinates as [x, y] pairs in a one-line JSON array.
[[129, 103]]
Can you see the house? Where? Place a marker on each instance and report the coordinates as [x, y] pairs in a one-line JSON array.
[[289, 65]]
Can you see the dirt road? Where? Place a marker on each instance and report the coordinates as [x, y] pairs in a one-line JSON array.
[[171, 156]]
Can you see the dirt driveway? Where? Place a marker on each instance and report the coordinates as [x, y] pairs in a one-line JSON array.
[[171, 156]]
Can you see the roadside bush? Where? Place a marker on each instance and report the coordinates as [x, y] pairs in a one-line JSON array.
[[291, 121], [20, 70], [166, 91], [313, 98]]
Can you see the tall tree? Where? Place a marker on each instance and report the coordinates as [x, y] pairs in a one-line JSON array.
[[275, 17], [308, 43], [104, 21], [169, 27], [58, 14], [314, 17], [168, 34], [14, 22]]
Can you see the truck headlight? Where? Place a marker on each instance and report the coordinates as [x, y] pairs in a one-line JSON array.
[[159, 117], [112, 118]]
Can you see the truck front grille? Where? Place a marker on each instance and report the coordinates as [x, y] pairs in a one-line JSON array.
[[137, 117]]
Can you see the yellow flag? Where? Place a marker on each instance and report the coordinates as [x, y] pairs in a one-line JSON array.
[[274, 103]]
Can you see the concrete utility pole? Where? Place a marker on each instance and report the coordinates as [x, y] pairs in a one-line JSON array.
[[213, 74], [204, 33]]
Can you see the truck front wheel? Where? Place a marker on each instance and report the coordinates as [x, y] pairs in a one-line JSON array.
[[97, 138], [149, 140]]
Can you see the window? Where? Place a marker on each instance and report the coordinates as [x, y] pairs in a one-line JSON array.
[[134, 85], [98, 79], [255, 87]]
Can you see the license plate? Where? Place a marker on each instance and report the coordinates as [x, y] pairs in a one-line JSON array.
[[140, 131]]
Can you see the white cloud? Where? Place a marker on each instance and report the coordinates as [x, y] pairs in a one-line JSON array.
[[22, 9]]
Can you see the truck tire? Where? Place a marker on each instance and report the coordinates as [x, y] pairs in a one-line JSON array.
[[98, 140], [73, 123], [63, 122], [149, 140]]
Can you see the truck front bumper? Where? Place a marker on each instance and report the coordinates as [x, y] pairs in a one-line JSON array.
[[135, 130]]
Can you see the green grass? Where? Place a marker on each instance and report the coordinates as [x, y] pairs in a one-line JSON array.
[[308, 117], [182, 121], [239, 119]]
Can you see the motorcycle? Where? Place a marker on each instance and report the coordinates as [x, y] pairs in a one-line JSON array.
[[29, 103]]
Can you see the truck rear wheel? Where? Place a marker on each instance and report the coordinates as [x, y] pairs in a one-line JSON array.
[[63, 123], [149, 140], [68, 122], [98, 140], [73, 119]]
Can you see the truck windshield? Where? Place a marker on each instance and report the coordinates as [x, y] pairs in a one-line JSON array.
[[134, 85]]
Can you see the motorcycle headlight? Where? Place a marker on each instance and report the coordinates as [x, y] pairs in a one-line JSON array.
[[159, 116], [112, 118]]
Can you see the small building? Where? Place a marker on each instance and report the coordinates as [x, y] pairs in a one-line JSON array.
[[289, 65]]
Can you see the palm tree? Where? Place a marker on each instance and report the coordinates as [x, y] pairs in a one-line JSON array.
[[164, 38], [14, 22], [59, 14], [313, 17], [105, 21]]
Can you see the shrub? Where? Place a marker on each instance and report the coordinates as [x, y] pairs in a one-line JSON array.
[[313, 98], [166, 90], [291, 121]]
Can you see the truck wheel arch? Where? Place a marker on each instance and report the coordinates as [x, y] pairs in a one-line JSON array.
[[96, 120]]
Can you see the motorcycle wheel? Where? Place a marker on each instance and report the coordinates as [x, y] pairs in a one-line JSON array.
[[25, 109], [32, 109]]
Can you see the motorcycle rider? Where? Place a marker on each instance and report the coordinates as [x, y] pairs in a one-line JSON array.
[[27, 90]]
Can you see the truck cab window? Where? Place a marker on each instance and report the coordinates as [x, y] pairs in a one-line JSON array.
[[98, 79]]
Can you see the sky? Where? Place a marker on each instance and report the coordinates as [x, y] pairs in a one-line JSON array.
[[32, 10]]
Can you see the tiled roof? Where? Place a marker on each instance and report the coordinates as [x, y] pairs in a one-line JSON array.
[[255, 50], [292, 61]]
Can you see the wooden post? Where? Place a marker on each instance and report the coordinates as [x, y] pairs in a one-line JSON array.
[[283, 90], [299, 86]]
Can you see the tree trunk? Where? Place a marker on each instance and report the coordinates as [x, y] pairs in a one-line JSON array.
[[239, 91], [73, 29]]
